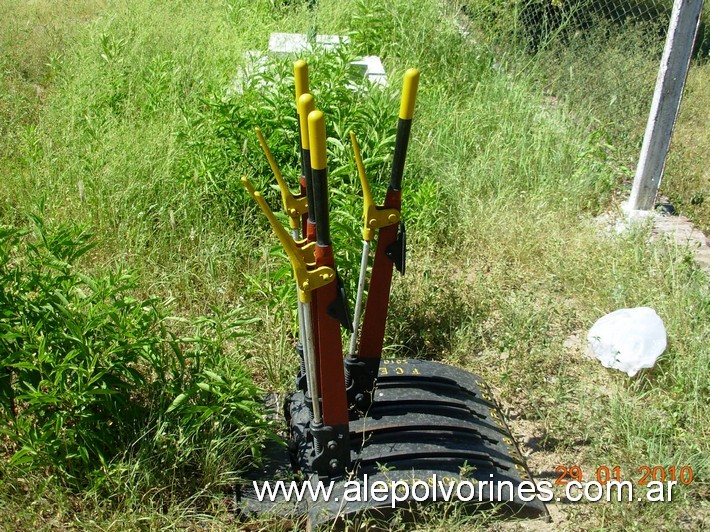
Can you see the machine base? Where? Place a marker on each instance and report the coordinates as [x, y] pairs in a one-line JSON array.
[[433, 432]]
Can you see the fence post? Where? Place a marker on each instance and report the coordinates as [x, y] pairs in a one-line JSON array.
[[666, 102]]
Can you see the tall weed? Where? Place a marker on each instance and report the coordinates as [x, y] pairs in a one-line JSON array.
[[227, 145], [90, 372]]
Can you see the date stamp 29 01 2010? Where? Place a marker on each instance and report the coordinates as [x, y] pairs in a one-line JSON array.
[[603, 474]]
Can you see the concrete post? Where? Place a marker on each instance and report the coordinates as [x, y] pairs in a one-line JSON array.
[[666, 102]]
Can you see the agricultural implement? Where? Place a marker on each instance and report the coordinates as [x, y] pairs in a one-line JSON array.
[[408, 423]]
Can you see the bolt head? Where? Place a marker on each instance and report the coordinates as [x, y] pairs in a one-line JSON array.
[[360, 399], [334, 465], [332, 445]]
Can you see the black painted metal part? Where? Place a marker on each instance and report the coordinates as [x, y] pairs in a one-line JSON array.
[[421, 431], [429, 423]]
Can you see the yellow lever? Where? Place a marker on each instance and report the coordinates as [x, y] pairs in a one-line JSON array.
[[306, 104], [409, 94], [375, 217], [300, 77], [307, 279], [294, 207]]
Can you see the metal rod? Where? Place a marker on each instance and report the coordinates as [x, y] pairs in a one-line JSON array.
[[301, 324], [309, 354], [358, 299]]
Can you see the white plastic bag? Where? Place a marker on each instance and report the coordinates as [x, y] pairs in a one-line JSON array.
[[628, 339]]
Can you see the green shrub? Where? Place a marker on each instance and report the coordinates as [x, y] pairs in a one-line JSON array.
[[221, 144], [90, 374]]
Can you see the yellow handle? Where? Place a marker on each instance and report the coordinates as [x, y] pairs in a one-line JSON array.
[[306, 104], [374, 217], [300, 75], [316, 136], [286, 239], [366, 192], [409, 94], [293, 206], [307, 279]]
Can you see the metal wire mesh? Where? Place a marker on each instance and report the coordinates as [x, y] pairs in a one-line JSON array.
[[601, 57], [539, 21]]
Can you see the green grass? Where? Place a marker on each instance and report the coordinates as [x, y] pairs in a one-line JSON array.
[[686, 177], [116, 117], [604, 73]]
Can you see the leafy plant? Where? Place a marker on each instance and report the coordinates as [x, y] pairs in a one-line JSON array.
[[87, 370], [227, 146]]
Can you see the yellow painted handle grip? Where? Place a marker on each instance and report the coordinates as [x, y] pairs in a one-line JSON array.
[[286, 195], [366, 191], [300, 75], [294, 207], [409, 94], [272, 162], [286, 239], [306, 104], [374, 217], [307, 279], [316, 136]]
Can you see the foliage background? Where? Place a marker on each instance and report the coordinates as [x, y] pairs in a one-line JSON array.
[[117, 121]]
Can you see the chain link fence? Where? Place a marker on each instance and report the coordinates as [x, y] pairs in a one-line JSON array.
[[536, 23], [542, 21], [598, 57]]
